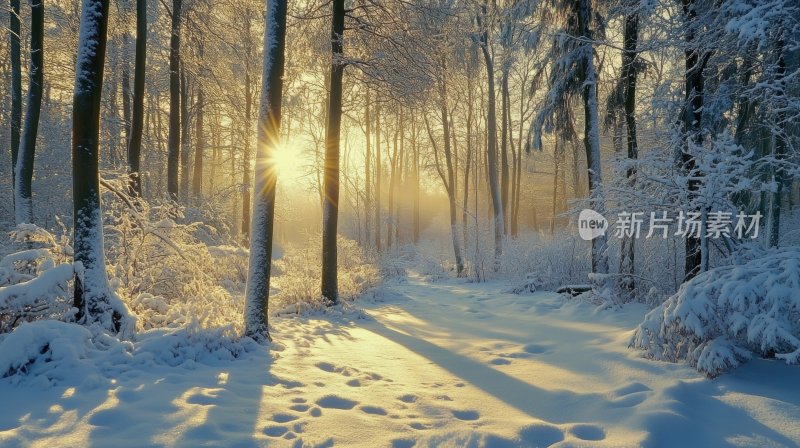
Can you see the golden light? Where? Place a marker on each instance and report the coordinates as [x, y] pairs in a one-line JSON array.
[[287, 160]]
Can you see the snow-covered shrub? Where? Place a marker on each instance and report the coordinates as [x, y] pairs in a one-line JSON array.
[[45, 350], [722, 316], [546, 262], [169, 270], [300, 275], [35, 278]]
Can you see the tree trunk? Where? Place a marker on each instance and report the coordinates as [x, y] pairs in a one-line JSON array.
[[185, 125], [137, 117], [630, 40], [23, 199], [415, 149], [330, 212], [16, 85], [93, 298], [378, 176], [779, 150], [505, 126], [173, 156], [692, 121], [491, 126], [248, 114], [367, 175], [592, 137], [199, 148], [269, 114], [392, 182]]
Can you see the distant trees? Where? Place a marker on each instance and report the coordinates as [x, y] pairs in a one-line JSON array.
[[23, 177], [258, 278]]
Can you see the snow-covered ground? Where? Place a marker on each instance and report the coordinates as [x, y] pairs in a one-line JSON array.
[[426, 364]]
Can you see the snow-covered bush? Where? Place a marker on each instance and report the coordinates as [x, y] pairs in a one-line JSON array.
[[722, 316], [300, 275], [35, 277], [545, 262], [169, 270]]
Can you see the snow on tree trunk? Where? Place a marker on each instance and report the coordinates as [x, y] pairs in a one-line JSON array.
[[96, 303], [330, 207], [23, 177], [263, 217]]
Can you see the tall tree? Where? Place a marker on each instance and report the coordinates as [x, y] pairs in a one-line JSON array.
[[628, 79], [258, 278], [330, 211], [95, 302], [573, 73], [695, 59], [16, 83], [137, 117], [491, 128], [173, 157], [23, 179]]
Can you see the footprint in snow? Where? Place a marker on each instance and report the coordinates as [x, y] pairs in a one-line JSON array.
[[403, 443], [408, 398], [588, 432], [500, 361], [284, 418], [354, 383], [336, 402], [466, 415], [374, 410], [630, 395], [535, 349], [275, 431], [299, 407], [540, 435]]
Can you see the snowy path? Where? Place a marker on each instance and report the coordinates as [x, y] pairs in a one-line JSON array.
[[443, 364]]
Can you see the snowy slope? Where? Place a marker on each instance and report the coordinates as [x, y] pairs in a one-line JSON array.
[[445, 364]]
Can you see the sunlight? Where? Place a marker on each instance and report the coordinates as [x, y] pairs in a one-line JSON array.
[[287, 162]]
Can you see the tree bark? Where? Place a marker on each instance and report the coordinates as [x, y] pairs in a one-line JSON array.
[[199, 146], [173, 157], [630, 40], [592, 136], [16, 85], [692, 122], [185, 125], [491, 126], [93, 298], [505, 125], [248, 113], [330, 213], [137, 116], [23, 199], [378, 176], [259, 272]]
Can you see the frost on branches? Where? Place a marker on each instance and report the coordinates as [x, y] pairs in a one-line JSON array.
[[724, 316]]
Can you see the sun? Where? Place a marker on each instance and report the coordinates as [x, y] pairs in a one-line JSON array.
[[287, 161]]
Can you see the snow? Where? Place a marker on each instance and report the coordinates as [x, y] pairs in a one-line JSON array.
[[449, 363]]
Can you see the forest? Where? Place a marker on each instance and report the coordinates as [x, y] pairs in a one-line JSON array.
[[401, 223]]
